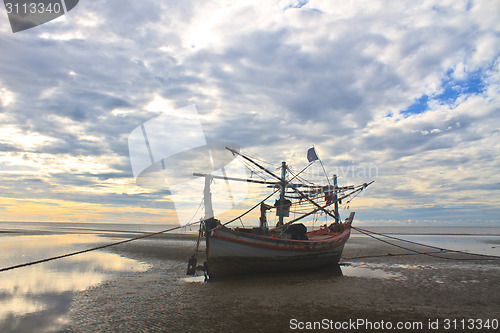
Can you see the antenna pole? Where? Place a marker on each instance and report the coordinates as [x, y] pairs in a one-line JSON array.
[[281, 204]]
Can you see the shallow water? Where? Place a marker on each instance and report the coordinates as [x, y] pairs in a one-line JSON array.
[[45, 291], [367, 271], [484, 240]]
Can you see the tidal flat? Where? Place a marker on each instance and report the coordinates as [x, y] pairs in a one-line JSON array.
[[142, 286]]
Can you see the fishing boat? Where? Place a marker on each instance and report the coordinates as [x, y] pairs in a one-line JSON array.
[[287, 246]]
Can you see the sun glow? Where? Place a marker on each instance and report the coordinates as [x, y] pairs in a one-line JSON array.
[[47, 210]]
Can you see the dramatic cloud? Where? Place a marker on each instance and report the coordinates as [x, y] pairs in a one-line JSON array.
[[409, 89]]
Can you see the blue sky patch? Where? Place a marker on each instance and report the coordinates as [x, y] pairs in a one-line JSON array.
[[299, 4], [452, 90], [419, 106]]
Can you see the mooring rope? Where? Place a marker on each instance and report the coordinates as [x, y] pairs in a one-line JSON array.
[[94, 248], [363, 231], [430, 254], [120, 242], [393, 255]]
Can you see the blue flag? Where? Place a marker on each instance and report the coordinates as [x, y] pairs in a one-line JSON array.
[[311, 155]]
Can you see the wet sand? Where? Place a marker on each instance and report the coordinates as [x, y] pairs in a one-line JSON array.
[[389, 288]]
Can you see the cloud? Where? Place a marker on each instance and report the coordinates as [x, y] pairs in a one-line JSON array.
[[410, 88]]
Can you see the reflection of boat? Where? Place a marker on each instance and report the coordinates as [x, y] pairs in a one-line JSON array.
[[288, 246]]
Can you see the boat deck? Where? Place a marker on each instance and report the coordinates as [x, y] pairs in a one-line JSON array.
[[316, 237]]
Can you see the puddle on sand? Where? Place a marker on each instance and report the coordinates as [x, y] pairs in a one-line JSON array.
[[38, 297], [368, 272], [194, 279]]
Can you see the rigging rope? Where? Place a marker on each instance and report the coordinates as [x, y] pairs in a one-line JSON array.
[[197, 209], [350, 199], [248, 166], [248, 211], [261, 160], [299, 178]]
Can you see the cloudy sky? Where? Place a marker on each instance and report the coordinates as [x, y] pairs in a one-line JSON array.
[[406, 93]]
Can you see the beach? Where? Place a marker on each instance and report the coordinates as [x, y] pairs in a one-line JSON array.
[[156, 296]]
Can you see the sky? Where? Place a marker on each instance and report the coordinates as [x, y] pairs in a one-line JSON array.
[[405, 93]]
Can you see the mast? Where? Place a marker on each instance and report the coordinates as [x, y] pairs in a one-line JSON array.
[[281, 203], [335, 197], [207, 198]]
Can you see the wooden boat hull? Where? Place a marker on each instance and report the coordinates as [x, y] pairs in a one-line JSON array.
[[231, 252]]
